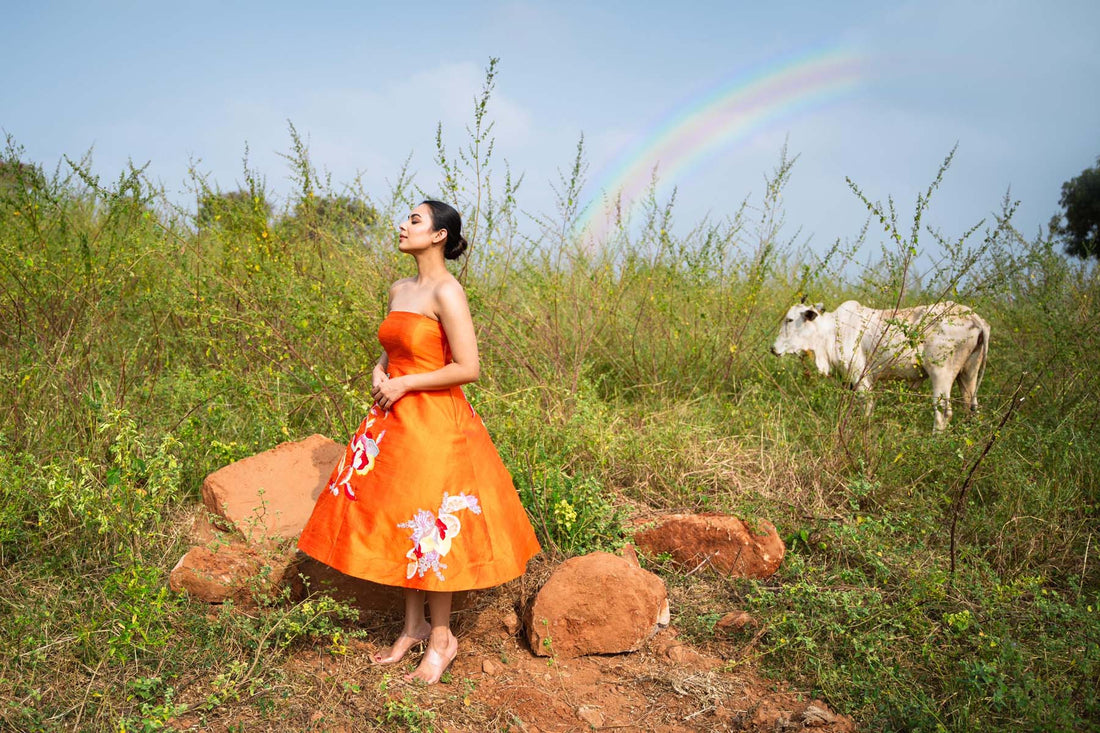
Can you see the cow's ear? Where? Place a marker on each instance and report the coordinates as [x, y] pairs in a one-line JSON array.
[[810, 315]]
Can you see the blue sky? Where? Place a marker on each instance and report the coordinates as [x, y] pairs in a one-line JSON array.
[[1012, 83]]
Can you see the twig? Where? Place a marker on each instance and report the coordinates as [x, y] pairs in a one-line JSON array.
[[87, 691], [1084, 564], [700, 711], [744, 651], [960, 500], [704, 562]]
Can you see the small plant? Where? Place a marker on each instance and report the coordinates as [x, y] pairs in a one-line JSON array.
[[571, 513], [407, 714]]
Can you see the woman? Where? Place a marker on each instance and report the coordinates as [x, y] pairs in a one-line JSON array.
[[421, 499]]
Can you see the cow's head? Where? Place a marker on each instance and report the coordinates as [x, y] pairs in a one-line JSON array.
[[800, 330]]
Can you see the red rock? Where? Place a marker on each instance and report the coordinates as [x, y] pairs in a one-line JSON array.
[[721, 542], [684, 656], [816, 716], [734, 621], [591, 714], [270, 495], [214, 575], [594, 604], [511, 623]]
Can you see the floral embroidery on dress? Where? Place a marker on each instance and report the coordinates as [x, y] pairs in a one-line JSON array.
[[432, 535], [358, 458]]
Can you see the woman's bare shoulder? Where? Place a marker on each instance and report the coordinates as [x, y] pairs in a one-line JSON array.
[[400, 285], [449, 291]]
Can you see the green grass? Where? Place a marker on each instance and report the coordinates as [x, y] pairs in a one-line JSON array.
[[142, 347]]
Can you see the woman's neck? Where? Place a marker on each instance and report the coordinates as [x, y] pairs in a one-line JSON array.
[[430, 266]]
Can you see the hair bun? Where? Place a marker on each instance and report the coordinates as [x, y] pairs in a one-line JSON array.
[[455, 248]]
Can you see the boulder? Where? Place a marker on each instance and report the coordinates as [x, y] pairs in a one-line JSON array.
[[721, 542], [595, 604], [215, 574], [269, 496]]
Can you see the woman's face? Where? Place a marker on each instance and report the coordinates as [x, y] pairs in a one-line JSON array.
[[415, 233]]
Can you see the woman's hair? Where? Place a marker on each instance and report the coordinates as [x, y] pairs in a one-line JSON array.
[[444, 216]]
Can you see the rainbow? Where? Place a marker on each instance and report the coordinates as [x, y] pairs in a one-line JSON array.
[[724, 114]]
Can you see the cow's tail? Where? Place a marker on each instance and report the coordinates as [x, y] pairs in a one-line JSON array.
[[982, 348]]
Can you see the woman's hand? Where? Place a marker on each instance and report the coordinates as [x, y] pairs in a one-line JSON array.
[[389, 391], [377, 377]]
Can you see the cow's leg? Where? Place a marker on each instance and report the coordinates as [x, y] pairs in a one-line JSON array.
[[863, 391], [968, 389], [941, 397], [968, 380]]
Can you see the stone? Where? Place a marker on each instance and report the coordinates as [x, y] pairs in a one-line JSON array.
[[591, 715], [511, 623], [269, 496], [734, 621], [216, 575], [594, 604], [816, 716], [490, 668], [682, 654], [720, 542]]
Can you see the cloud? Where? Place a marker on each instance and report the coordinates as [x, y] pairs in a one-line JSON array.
[[368, 128]]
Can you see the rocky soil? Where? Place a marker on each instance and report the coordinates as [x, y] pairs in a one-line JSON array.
[[586, 644]]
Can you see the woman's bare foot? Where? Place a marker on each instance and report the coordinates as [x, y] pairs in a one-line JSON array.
[[405, 641], [441, 652]]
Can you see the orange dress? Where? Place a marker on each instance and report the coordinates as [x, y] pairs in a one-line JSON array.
[[421, 498]]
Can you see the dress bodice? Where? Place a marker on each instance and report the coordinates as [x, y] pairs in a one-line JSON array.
[[414, 343]]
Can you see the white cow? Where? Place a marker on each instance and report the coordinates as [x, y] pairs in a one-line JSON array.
[[946, 342]]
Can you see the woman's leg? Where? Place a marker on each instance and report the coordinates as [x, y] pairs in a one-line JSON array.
[[416, 629], [442, 645]]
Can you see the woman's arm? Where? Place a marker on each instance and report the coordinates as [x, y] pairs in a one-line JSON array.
[[380, 373], [465, 367]]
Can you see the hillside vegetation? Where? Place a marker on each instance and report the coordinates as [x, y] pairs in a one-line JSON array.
[[933, 581]]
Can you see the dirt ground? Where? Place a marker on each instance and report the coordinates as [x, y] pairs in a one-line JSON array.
[[497, 684]]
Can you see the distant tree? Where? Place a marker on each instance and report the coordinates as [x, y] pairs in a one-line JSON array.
[[234, 210], [351, 211], [1078, 226], [334, 214], [18, 177]]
